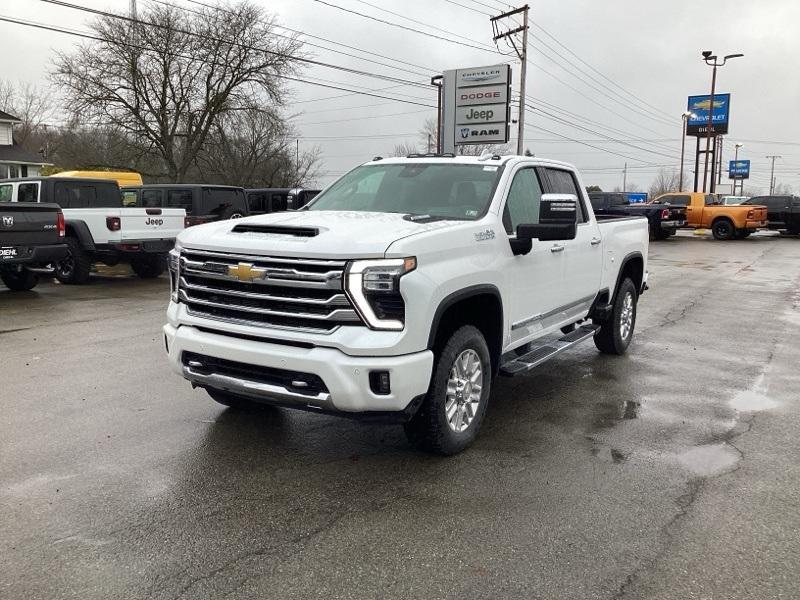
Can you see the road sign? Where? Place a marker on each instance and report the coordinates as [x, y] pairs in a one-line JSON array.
[[739, 169], [475, 106], [637, 197], [699, 106]]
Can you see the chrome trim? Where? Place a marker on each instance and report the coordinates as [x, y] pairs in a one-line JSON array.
[[282, 277], [338, 314], [258, 390], [260, 324], [273, 259], [555, 311], [335, 300]]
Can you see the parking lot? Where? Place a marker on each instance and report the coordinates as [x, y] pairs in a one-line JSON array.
[[670, 472]]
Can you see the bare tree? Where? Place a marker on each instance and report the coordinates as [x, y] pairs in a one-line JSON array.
[[666, 180], [404, 149], [168, 79], [30, 104]]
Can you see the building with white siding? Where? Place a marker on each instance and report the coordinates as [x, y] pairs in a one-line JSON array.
[[15, 161]]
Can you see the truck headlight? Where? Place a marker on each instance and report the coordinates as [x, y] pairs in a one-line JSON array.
[[174, 264], [373, 287]]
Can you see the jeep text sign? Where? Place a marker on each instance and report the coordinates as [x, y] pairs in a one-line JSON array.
[[475, 106]]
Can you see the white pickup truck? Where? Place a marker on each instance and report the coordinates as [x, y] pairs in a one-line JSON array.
[[98, 228], [402, 290]]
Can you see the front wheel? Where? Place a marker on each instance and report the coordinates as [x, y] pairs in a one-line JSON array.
[[614, 335], [75, 267], [19, 279], [451, 415]]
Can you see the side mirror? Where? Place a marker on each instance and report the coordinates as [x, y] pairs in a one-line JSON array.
[[558, 220]]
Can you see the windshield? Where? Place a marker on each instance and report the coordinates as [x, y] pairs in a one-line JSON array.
[[453, 191]]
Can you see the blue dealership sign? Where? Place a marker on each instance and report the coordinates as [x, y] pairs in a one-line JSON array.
[[739, 169], [637, 197], [700, 106]]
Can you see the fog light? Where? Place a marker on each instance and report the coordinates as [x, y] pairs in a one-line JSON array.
[[379, 383]]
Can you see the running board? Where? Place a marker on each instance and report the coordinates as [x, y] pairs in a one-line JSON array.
[[537, 356]]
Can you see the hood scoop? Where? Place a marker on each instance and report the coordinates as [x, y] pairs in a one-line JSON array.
[[305, 232]]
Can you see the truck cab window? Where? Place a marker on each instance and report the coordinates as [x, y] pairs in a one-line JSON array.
[[524, 199], [28, 192], [563, 182], [129, 198], [6, 191]]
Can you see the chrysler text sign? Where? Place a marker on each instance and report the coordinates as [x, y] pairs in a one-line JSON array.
[[475, 106], [700, 106]]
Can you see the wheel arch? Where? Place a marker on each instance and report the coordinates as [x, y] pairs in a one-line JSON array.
[[478, 305], [80, 230], [631, 266]]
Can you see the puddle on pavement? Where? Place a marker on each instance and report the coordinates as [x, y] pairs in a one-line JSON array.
[[710, 460], [750, 401]]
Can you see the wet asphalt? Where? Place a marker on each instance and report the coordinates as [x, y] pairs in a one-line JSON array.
[[672, 472]]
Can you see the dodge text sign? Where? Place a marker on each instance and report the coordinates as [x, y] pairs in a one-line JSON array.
[[475, 106]]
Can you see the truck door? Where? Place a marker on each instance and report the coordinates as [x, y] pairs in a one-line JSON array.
[[534, 279], [582, 256]]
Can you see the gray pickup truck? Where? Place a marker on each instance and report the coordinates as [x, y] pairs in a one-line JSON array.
[[31, 237]]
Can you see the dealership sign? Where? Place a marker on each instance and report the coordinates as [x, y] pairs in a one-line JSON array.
[[739, 169], [700, 107], [475, 106]]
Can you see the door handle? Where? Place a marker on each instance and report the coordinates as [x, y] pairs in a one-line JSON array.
[[595, 241], [557, 248]]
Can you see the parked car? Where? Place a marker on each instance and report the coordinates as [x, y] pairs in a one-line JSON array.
[[31, 236], [98, 228], [268, 200], [783, 212], [733, 200], [402, 290], [663, 221], [704, 211], [121, 177], [203, 203]]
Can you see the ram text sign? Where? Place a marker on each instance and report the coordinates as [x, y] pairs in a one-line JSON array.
[[475, 106]]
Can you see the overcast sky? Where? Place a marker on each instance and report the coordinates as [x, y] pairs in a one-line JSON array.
[[650, 48]]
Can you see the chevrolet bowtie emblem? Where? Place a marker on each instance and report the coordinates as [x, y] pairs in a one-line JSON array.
[[246, 272]]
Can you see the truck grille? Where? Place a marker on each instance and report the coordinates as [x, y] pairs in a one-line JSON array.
[[288, 293]]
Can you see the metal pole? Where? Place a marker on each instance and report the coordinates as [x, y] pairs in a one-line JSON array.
[[522, 80], [436, 82], [772, 174], [133, 10], [683, 151], [697, 164], [712, 185], [710, 125], [625, 178], [735, 160], [719, 161]]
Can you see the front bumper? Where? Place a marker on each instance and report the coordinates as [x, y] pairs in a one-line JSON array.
[[346, 378]]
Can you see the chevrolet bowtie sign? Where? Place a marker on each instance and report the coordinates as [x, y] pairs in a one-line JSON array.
[[475, 106], [246, 272]]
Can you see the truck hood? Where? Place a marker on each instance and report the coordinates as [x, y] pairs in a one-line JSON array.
[[332, 234]]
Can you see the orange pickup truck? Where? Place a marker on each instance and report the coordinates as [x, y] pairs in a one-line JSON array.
[[706, 211]]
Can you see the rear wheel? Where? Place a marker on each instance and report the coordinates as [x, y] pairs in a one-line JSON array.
[[231, 213], [614, 335], [149, 266], [75, 267], [19, 278], [451, 415], [723, 229]]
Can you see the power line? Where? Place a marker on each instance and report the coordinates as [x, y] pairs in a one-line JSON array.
[[398, 25], [55, 29], [468, 7], [299, 59]]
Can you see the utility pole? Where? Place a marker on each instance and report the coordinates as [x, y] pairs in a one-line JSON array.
[[719, 160], [133, 10], [522, 54], [772, 173], [625, 178]]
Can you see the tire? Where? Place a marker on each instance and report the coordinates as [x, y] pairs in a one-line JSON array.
[[231, 213], [74, 268], [612, 338], [235, 402], [743, 233], [149, 266], [430, 429], [723, 229], [19, 279]]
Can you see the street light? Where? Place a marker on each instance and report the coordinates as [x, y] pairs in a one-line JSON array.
[[711, 60], [735, 160], [685, 117]]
